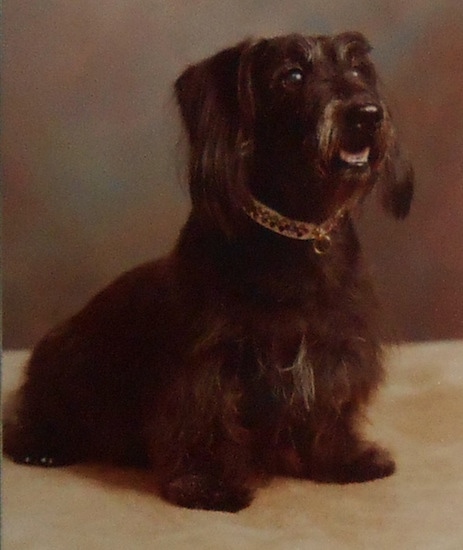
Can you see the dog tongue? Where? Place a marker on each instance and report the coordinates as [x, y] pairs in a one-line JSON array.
[[355, 159]]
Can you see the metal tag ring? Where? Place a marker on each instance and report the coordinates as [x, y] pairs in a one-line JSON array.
[[322, 244]]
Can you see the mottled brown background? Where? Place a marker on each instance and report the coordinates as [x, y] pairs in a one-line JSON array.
[[92, 176]]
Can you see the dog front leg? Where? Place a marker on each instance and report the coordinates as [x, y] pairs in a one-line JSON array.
[[198, 448], [339, 454]]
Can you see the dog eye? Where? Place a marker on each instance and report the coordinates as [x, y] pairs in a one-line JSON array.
[[361, 68], [293, 77]]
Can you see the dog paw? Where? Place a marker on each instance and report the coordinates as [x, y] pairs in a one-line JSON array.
[[372, 463], [206, 493]]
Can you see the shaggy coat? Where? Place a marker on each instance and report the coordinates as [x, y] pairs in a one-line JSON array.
[[252, 349]]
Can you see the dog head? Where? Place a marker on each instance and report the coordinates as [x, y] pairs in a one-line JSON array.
[[295, 122]]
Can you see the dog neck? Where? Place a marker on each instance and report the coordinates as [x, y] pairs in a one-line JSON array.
[[319, 234]]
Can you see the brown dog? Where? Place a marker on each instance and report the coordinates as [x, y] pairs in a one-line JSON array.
[[252, 349]]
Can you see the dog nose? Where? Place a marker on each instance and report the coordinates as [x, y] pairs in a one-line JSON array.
[[364, 116]]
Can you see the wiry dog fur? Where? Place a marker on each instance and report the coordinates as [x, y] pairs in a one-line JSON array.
[[244, 353]]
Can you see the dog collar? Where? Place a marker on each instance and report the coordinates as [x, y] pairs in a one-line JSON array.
[[295, 229]]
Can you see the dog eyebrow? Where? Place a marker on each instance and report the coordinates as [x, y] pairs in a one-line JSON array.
[[307, 46], [352, 43]]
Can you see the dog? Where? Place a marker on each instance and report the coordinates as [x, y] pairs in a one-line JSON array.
[[253, 349]]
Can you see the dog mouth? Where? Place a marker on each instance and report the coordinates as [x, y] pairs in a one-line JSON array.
[[356, 150], [358, 159]]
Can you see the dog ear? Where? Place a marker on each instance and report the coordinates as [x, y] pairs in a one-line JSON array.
[[217, 111], [397, 181]]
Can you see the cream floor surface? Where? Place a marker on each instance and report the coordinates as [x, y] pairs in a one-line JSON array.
[[418, 415]]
